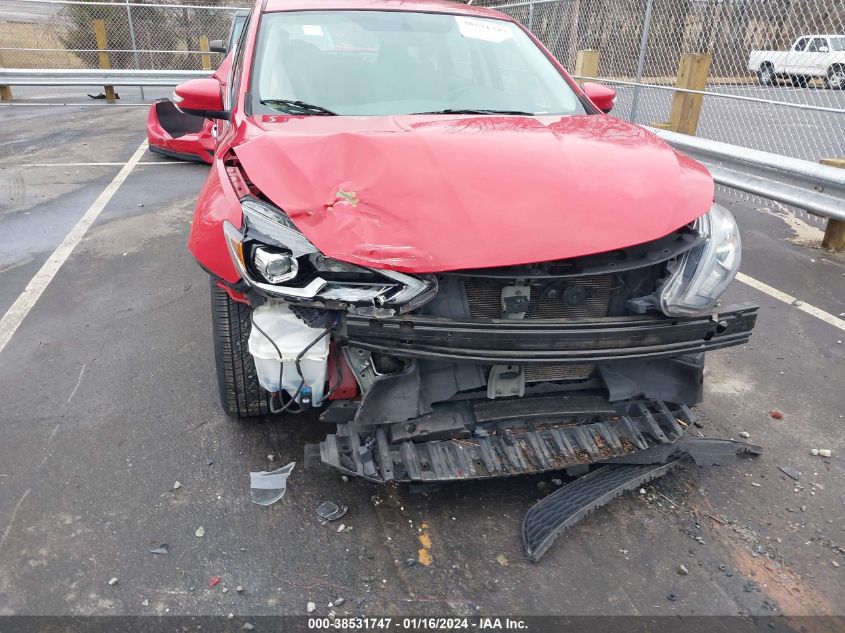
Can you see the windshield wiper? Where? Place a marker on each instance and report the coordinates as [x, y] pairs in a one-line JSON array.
[[476, 111], [294, 106]]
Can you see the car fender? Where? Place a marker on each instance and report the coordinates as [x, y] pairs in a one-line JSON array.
[[217, 203]]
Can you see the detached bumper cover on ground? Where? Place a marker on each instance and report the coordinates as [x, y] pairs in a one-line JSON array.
[[562, 509]]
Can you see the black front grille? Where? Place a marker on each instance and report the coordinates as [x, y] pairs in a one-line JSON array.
[[485, 298]]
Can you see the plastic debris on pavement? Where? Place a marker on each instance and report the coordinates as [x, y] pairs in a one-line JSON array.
[[161, 549], [330, 511], [267, 487]]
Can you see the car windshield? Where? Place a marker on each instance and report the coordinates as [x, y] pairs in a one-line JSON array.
[[837, 43], [385, 63]]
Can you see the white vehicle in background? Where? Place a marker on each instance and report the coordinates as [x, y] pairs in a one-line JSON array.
[[809, 57]]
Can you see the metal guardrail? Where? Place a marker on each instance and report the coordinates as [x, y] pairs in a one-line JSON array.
[[819, 189], [86, 77]]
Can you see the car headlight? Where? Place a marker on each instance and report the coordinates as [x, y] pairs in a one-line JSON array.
[[700, 276], [277, 260]]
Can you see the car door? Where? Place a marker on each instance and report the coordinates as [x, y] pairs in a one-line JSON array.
[[793, 59], [813, 61]]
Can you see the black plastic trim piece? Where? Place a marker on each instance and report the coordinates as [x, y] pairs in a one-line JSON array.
[[562, 509], [191, 158]]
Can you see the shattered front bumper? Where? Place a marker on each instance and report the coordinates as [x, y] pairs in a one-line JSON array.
[[474, 437], [515, 437]]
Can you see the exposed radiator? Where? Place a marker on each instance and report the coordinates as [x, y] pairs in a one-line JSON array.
[[485, 298], [553, 373], [544, 373]]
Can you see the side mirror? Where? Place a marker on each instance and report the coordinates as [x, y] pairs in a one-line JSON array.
[[601, 96], [217, 46], [823, 49], [200, 97]]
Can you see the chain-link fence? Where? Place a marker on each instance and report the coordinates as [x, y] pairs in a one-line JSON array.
[[641, 42], [152, 34]]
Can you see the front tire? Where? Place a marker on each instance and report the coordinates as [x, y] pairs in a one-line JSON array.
[[835, 78], [237, 381], [766, 75]]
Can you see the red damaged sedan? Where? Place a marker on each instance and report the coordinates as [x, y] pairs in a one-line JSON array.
[[418, 223], [183, 136]]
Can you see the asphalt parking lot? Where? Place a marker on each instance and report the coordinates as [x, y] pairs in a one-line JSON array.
[[108, 397]]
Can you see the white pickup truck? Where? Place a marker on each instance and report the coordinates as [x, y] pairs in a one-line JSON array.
[[809, 57]]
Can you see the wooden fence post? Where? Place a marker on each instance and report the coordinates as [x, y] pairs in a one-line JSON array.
[[586, 64], [686, 107], [205, 58], [5, 91], [834, 233], [105, 62]]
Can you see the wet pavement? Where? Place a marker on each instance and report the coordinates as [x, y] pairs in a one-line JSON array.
[[108, 397]]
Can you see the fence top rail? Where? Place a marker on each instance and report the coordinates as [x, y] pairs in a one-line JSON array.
[[723, 95], [106, 50], [134, 3], [75, 72]]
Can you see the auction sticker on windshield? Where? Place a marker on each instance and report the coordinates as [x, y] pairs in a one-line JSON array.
[[488, 30]]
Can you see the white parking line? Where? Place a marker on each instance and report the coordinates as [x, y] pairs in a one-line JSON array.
[[23, 304], [793, 301]]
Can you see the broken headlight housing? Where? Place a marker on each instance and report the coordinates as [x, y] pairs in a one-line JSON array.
[[276, 259], [700, 276]]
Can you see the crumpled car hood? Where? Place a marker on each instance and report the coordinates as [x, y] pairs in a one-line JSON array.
[[435, 193]]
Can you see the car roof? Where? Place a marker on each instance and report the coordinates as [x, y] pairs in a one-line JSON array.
[[419, 6]]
